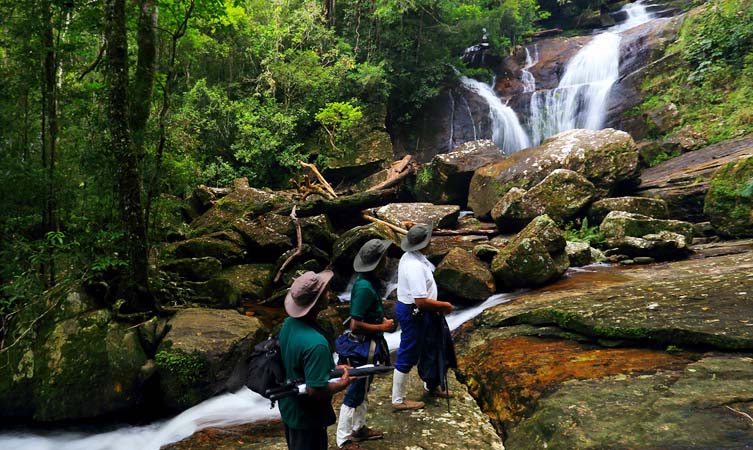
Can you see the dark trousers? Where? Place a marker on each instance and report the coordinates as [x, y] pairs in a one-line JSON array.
[[315, 439]]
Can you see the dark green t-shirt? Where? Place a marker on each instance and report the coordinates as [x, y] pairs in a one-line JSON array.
[[306, 354], [365, 302]]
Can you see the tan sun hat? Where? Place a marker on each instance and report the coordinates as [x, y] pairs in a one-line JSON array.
[[305, 291]]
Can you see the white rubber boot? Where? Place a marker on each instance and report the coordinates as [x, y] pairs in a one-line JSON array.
[[399, 402], [359, 417], [345, 424]]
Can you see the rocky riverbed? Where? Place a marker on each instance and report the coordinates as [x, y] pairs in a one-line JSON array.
[[609, 357]]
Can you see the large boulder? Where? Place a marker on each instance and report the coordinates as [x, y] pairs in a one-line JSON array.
[[70, 360], [446, 178], [202, 198], [251, 281], [440, 216], [534, 257], [661, 246], [347, 245], [684, 181], [729, 201], [607, 158], [652, 207], [464, 277], [619, 224], [195, 269], [199, 353], [225, 246], [242, 202], [582, 254], [372, 151], [561, 196]]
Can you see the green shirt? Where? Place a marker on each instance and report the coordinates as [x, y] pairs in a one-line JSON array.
[[306, 354], [365, 302]]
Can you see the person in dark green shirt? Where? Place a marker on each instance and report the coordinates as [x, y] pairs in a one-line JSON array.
[[367, 324], [306, 354]]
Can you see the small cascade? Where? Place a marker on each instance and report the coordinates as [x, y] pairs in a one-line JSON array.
[[507, 132], [580, 99], [526, 77]]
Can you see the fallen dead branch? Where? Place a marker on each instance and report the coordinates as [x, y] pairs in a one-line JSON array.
[[298, 250], [397, 171], [319, 176], [387, 224]]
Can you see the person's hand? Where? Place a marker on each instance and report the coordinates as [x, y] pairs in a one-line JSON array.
[[447, 308], [388, 325], [345, 377]]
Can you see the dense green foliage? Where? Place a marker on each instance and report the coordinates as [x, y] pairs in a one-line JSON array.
[[242, 88], [710, 79]]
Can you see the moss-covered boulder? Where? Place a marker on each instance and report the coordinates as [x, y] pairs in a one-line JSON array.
[[607, 158], [242, 202], [582, 254], [663, 119], [372, 151], [446, 178], [199, 353], [534, 257], [265, 237], [400, 214], [464, 277], [225, 246], [618, 224], [346, 247], [250, 281], [195, 269], [729, 200], [651, 207], [440, 246], [71, 361], [561, 196], [661, 246]]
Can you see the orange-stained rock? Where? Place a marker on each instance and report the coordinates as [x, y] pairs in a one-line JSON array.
[[507, 375]]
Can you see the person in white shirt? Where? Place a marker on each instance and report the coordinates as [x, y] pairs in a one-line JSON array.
[[416, 295]]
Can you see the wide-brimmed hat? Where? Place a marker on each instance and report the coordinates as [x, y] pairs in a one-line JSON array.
[[305, 291], [370, 254], [417, 238]]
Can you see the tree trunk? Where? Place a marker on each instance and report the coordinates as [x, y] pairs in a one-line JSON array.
[[146, 67], [128, 174], [49, 132]]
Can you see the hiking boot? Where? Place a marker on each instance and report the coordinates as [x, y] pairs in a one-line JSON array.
[[407, 405], [366, 434], [439, 393], [351, 445]]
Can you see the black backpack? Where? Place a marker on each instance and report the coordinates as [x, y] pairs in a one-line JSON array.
[[264, 369]]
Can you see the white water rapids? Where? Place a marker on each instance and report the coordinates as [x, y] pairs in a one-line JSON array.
[[225, 410]]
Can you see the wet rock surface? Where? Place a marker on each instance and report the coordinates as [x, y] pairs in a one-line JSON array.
[[640, 358], [463, 427]]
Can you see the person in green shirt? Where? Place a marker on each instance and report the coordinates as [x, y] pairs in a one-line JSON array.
[[367, 324], [306, 354]]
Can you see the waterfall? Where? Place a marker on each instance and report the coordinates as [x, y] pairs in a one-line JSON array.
[[579, 101], [507, 132], [526, 77]]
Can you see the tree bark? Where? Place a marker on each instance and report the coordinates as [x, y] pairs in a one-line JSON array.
[[128, 173], [49, 131], [146, 67]]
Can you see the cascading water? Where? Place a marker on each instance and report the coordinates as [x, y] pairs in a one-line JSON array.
[[507, 132], [580, 99], [526, 77]]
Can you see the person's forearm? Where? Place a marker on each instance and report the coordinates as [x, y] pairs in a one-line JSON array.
[[332, 388], [366, 328], [428, 304]]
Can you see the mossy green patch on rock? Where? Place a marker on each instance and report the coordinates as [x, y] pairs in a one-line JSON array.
[[729, 200]]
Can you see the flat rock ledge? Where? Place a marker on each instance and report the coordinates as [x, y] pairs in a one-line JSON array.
[[463, 427]]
